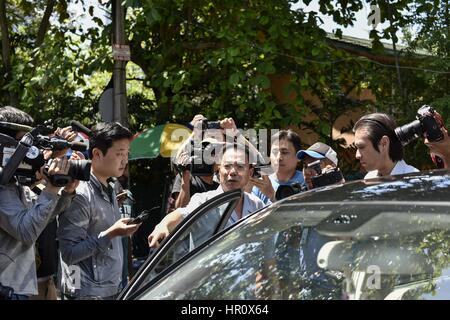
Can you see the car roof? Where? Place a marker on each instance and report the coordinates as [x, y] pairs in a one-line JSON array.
[[429, 186]]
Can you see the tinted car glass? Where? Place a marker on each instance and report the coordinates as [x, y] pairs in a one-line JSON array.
[[361, 241]]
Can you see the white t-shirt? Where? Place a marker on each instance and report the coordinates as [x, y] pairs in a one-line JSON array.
[[400, 168]]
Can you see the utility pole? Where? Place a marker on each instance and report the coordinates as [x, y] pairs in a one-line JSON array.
[[121, 55]]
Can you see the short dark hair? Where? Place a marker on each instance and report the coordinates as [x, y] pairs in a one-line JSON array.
[[237, 147], [105, 133], [288, 135], [378, 125], [14, 116]]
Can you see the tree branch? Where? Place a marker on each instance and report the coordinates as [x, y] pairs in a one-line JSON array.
[[6, 52]]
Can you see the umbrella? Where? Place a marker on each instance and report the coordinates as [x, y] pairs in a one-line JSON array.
[[161, 140]]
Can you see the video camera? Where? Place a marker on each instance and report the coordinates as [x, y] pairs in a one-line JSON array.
[[428, 122], [330, 176], [22, 159], [201, 160], [202, 155]]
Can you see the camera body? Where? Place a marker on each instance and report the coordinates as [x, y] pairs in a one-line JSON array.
[[284, 191], [201, 160], [428, 122], [260, 170], [210, 125], [22, 159], [325, 178]]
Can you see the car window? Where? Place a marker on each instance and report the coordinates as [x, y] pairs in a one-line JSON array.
[[196, 234], [281, 254], [195, 230]]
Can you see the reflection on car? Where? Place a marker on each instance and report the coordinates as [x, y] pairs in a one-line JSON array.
[[386, 238]]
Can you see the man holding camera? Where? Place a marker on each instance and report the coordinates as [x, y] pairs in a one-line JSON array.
[[379, 150], [441, 148], [327, 163], [90, 229], [188, 183], [284, 146], [23, 215], [234, 173]]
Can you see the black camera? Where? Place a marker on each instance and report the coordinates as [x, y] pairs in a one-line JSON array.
[[428, 122], [330, 176], [78, 170], [22, 159], [6, 293], [266, 169], [201, 160], [210, 125], [284, 191]]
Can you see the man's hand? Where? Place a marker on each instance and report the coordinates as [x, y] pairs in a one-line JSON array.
[[196, 125], [229, 127], [66, 133], [160, 232], [56, 166], [265, 185], [121, 229], [441, 148], [308, 174], [71, 186]]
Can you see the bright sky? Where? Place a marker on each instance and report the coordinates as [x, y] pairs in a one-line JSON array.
[[360, 28]]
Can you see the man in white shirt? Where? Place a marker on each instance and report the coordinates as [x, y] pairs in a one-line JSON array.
[[378, 149], [234, 173]]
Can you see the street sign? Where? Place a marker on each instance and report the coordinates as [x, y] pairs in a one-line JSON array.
[[121, 52]]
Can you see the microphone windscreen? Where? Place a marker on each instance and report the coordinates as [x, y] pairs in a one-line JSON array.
[[78, 146], [77, 126]]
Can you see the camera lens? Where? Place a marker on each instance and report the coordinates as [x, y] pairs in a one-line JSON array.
[[80, 169], [409, 132], [432, 129]]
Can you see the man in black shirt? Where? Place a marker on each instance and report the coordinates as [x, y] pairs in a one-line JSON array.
[[188, 185]]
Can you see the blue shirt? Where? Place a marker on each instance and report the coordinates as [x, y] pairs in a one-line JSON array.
[[296, 178]]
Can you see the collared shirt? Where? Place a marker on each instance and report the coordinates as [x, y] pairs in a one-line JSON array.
[[400, 168], [296, 178], [23, 216], [91, 264], [251, 204]]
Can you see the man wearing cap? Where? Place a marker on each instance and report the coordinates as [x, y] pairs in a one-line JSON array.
[[318, 151]]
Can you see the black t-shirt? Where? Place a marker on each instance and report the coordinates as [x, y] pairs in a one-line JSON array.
[[196, 185]]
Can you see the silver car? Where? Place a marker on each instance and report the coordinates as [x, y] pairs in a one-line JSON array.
[[385, 238]]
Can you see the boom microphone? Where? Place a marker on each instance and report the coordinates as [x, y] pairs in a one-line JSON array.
[[77, 126]]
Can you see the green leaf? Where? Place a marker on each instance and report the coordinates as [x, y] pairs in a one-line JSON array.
[[263, 81], [234, 79], [155, 15]]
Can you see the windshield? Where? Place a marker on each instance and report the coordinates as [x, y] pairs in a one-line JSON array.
[[323, 251]]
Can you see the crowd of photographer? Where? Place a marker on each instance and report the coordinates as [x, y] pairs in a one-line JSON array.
[[50, 193], [87, 211]]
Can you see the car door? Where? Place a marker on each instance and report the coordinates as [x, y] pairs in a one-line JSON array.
[[192, 232]]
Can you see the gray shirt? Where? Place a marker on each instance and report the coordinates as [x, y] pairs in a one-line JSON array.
[[251, 204], [23, 216], [91, 265]]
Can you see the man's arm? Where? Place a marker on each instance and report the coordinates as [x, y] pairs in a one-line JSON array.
[[164, 228], [75, 242], [26, 224], [183, 188]]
